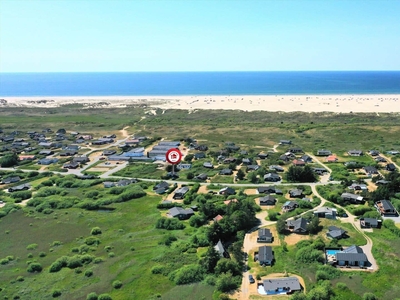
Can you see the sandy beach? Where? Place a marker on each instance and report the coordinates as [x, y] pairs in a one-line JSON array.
[[285, 103]]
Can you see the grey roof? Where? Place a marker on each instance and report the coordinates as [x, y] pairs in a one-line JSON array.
[[267, 198], [351, 256], [352, 249], [162, 184], [335, 232], [325, 210], [182, 190], [300, 223], [220, 248], [370, 221], [175, 211], [265, 253], [387, 205], [287, 282], [264, 232], [351, 196]]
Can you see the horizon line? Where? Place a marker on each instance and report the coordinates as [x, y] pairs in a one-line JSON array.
[[249, 71]]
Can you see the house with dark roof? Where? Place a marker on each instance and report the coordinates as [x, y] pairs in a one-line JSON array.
[[71, 165], [319, 171], [326, 212], [19, 188], [272, 177], [289, 206], [284, 158], [296, 193], [297, 226], [46, 152], [306, 158], [266, 190], [180, 193], [262, 155], [68, 153], [252, 168], [267, 200], [264, 236], [285, 142], [201, 177], [229, 160], [180, 213], [391, 167], [385, 207], [208, 165], [246, 161], [352, 198], [265, 255], [162, 184], [81, 159], [352, 256], [227, 191], [380, 159], [370, 170], [370, 223], [355, 153], [285, 285], [47, 161], [323, 152], [226, 172], [295, 150], [335, 233], [12, 179], [276, 168]]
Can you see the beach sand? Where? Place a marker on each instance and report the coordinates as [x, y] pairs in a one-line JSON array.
[[285, 103]]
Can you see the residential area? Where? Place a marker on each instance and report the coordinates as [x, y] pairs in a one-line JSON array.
[[258, 207]]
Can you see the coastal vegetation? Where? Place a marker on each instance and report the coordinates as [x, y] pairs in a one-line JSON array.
[[88, 241]]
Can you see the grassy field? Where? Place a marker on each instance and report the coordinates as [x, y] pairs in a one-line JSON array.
[[129, 231]]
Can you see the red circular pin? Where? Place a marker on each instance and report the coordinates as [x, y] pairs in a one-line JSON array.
[[173, 156]]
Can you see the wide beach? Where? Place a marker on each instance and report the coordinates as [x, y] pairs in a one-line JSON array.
[[384, 103]]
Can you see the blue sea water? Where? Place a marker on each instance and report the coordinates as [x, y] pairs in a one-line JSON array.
[[199, 83]]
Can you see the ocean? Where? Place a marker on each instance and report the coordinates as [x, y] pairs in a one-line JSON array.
[[198, 83]]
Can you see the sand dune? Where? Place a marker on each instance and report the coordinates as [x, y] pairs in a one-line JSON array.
[[285, 103]]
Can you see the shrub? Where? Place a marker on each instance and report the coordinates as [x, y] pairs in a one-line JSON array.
[[98, 260], [95, 231], [56, 243], [104, 297], [31, 247], [4, 261], [111, 254], [88, 273], [75, 250], [56, 293], [92, 241], [92, 296], [169, 224], [157, 269], [117, 284], [30, 255], [58, 264], [34, 267], [20, 278], [42, 254]]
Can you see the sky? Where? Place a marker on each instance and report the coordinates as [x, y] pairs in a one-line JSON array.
[[198, 35]]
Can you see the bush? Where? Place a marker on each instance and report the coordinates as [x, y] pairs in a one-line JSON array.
[[187, 274], [20, 278], [34, 267], [58, 264], [111, 254], [169, 224], [31, 247], [92, 296], [157, 269], [56, 293], [95, 231], [117, 284], [92, 241], [104, 297], [42, 254], [88, 273]]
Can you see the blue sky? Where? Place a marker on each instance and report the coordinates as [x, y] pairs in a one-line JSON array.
[[198, 35]]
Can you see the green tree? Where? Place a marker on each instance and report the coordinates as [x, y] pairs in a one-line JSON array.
[[34, 267], [240, 174], [225, 265], [281, 226], [313, 227], [9, 160], [252, 177], [210, 260], [188, 158], [300, 174]]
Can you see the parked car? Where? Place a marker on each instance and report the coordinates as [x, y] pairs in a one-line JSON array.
[[251, 279]]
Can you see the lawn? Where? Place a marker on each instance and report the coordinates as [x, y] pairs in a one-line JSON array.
[[141, 170]]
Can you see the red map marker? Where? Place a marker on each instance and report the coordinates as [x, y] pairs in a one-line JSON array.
[[173, 156]]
